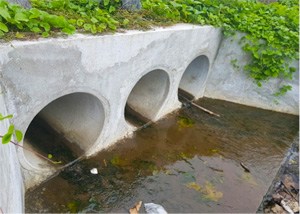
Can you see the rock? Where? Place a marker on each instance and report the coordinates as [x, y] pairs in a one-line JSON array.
[[293, 205], [289, 182], [24, 3], [131, 4], [277, 209]]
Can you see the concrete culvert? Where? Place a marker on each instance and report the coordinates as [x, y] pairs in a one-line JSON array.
[[65, 128], [194, 77], [147, 97]]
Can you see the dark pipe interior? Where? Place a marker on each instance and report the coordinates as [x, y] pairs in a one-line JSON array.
[[134, 117], [45, 140]]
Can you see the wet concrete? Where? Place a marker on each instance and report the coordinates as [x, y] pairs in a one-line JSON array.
[[135, 118], [187, 162]]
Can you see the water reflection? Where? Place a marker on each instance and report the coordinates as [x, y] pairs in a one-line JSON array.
[[187, 162]]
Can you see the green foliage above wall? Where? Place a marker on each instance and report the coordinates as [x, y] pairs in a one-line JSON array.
[[271, 30]]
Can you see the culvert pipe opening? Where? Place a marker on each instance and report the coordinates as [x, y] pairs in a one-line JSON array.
[[64, 129], [193, 78], [147, 97]]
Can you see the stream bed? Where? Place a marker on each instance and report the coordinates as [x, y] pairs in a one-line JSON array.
[[189, 161]]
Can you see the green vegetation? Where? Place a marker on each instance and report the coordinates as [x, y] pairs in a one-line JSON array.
[[185, 122], [14, 18], [271, 31], [6, 138]]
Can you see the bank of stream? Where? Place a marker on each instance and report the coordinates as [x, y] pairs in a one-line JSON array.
[[189, 161]]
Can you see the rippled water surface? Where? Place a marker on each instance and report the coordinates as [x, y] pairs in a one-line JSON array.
[[186, 162]]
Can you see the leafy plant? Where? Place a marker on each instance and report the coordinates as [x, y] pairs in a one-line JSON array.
[[15, 18], [6, 138], [84, 15], [18, 135], [271, 30], [283, 90]]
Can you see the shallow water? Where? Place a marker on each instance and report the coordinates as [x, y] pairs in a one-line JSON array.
[[186, 162]]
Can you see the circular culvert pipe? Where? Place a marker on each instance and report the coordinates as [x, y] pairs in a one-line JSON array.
[[148, 95], [194, 76], [65, 129]]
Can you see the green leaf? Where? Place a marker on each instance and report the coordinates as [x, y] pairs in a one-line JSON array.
[[3, 27], [5, 117], [4, 13], [68, 30], [87, 27], [45, 34], [94, 20], [106, 2], [94, 29], [35, 13], [20, 35], [46, 26], [19, 135], [11, 129], [6, 138], [21, 17], [125, 22], [35, 30], [80, 22], [111, 9]]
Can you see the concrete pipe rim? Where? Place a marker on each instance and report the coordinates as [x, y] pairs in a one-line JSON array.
[[49, 167], [155, 91], [194, 76]]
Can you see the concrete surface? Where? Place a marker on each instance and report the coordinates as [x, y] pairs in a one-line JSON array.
[[11, 179], [81, 84], [195, 76], [231, 83]]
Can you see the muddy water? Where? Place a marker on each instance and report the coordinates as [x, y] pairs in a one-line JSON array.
[[187, 162]]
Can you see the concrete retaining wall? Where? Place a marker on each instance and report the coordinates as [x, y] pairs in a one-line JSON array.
[[231, 83]]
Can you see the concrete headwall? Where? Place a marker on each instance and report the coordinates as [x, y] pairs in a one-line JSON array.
[[80, 85]]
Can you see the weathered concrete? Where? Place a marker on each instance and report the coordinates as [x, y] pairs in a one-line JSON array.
[[231, 83], [11, 180], [142, 69]]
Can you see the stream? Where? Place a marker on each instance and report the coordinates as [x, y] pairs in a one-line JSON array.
[[189, 161]]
